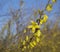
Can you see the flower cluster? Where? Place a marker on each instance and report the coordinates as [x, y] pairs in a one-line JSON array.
[[36, 33], [35, 29], [49, 6]]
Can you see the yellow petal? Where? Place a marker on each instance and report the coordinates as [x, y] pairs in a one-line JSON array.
[[45, 18], [41, 21], [33, 22], [33, 29], [37, 39], [54, 1], [49, 7], [37, 34], [34, 42], [31, 44], [27, 38], [30, 26], [37, 26]]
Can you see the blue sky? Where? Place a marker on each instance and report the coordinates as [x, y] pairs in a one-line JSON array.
[[5, 6]]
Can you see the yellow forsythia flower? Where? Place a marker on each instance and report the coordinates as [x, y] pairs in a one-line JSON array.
[[34, 42], [45, 17], [37, 39], [49, 7], [54, 1], [33, 22], [41, 21], [27, 38], [31, 44], [33, 26], [38, 33]]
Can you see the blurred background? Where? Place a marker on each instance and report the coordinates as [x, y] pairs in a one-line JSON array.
[[15, 15]]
